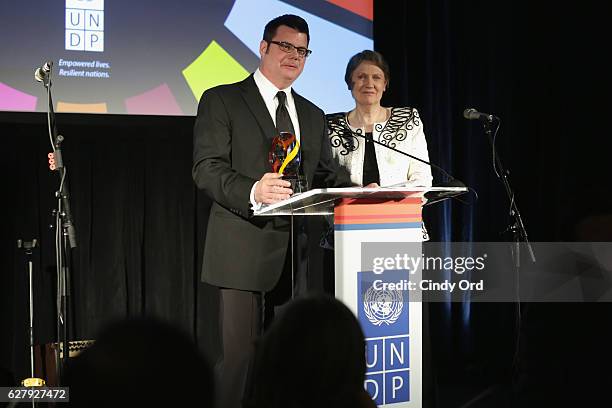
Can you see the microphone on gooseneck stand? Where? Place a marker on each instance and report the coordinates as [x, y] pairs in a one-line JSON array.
[[65, 235]]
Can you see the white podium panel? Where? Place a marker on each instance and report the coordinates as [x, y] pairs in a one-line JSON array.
[[392, 323]]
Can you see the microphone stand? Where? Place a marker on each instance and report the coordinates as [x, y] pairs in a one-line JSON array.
[[516, 221], [453, 182], [432, 197], [516, 225], [28, 247], [65, 236]]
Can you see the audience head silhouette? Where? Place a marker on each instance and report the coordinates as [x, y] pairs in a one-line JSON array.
[[313, 355], [139, 362]]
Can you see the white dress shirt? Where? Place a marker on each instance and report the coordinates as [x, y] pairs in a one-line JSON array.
[[268, 92]]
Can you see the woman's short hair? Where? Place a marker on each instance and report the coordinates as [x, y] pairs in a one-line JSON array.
[[374, 57]]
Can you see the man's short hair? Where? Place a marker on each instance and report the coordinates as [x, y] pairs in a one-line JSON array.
[[374, 57], [289, 20]]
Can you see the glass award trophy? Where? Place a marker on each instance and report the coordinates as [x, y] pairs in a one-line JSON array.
[[286, 157]]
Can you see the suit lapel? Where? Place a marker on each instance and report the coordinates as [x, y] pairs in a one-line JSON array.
[[256, 104], [308, 139]]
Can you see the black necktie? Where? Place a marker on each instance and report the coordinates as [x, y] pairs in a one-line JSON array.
[[283, 120]]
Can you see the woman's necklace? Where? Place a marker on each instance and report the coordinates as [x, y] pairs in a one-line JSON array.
[[360, 121]]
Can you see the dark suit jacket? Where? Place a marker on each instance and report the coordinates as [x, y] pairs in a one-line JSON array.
[[232, 136]]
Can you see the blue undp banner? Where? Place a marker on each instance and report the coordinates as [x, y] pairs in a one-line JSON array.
[[383, 315]]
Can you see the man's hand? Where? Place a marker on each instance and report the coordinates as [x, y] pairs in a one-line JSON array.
[[372, 185], [271, 189]]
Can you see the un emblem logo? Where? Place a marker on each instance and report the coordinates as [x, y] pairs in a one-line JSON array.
[[382, 306]]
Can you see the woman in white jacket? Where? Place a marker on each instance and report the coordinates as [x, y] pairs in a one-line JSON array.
[[350, 133]]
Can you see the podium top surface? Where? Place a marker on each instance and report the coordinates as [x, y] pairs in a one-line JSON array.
[[321, 201]]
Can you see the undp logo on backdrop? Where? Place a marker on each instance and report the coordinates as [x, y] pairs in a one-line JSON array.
[[383, 315], [85, 25]]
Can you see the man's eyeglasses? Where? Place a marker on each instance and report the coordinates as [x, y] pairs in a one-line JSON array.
[[288, 47]]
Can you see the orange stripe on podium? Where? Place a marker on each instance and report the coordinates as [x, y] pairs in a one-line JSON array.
[[376, 220], [378, 211]]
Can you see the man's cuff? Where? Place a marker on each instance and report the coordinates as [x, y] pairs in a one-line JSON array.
[[254, 204]]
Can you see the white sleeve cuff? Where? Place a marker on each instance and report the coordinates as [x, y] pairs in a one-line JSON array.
[[254, 205]]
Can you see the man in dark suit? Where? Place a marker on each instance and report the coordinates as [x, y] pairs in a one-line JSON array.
[[246, 256]]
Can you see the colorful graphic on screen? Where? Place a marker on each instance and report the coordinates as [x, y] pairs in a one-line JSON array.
[[157, 57]]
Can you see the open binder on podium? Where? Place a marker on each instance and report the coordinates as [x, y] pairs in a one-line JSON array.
[[375, 222]]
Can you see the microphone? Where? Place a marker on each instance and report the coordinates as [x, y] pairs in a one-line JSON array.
[[41, 73], [473, 114]]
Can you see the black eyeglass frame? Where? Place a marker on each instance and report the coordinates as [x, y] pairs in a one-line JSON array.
[[288, 47]]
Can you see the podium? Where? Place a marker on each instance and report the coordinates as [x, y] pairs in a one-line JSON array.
[[374, 230]]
